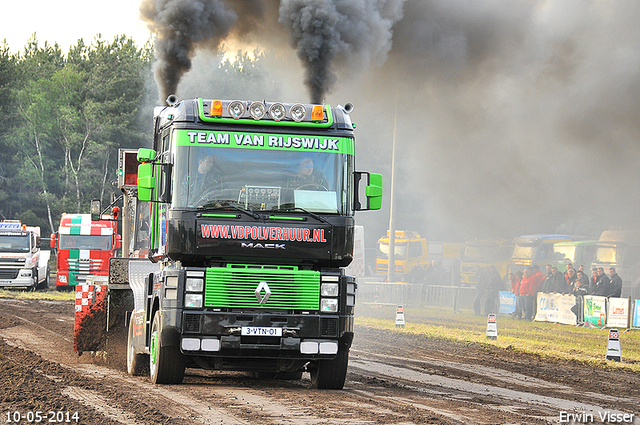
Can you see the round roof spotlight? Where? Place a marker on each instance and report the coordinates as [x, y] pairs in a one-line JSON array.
[[257, 110], [236, 109], [277, 111], [298, 112]]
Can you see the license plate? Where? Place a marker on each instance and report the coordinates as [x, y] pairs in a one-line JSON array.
[[259, 331]]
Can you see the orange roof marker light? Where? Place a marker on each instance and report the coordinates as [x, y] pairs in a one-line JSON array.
[[317, 113], [216, 108]]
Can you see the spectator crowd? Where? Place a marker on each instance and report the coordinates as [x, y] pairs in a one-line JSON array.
[[525, 286]]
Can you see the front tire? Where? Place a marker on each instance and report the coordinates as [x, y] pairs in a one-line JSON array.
[[166, 363], [136, 362], [330, 374]]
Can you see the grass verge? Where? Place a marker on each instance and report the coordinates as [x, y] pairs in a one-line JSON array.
[[556, 341], [49, 295]]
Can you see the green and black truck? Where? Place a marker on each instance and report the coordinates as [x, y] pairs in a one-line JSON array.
[[243, 213]]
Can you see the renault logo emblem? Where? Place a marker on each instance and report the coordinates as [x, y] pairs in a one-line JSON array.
[[267, 292]]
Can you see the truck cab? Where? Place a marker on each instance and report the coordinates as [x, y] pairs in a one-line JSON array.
[[575, 253], [620, 249], [251, 225], [84, 247], [532, 250], [410, 251], [22, 263], [478, 254]]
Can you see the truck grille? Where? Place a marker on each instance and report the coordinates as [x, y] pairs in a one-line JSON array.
[[8, 274], [84, 266], [329, 326], [234, 286], [192, 323], [18, 263]]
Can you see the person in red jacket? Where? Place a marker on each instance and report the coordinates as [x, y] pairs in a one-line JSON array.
[[516, 279], [525, 289], [534, 287]]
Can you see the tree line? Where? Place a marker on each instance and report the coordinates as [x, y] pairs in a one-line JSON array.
[[62, 119]]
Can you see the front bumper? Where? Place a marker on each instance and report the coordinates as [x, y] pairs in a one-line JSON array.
[[302, 336], [23, 279]]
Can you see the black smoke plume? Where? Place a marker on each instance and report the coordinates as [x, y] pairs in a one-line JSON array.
[[352, 33], [182, 26]]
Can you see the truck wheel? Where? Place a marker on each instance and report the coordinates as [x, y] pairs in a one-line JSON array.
[[166, 363], [330, 374], [136, 362]]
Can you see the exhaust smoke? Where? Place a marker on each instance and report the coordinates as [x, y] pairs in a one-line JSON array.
[[182, 26], [352, 33]]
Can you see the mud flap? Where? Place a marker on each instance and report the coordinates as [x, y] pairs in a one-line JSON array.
[[100, 316], [90, 325]]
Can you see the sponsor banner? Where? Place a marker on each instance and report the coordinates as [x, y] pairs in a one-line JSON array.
[[231, 139], [507, 302], [636, 314], [555, 308], [262, 233], [618, 313], [595, 311]]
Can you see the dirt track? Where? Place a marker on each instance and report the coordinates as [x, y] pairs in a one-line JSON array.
[[393, 379]]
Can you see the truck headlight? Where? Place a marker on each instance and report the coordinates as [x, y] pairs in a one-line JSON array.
[[194, 285], [25, 273], [193, 300], [329, 305], [329, 289]]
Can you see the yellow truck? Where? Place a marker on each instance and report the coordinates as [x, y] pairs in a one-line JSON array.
[[410, 251], [478, 254], [620, 249]]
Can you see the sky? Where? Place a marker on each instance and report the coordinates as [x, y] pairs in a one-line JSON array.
[[513, 118], [65, 21]]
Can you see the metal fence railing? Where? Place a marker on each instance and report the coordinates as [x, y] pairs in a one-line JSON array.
[[414, 295]]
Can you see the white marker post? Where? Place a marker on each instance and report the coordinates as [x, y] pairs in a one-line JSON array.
[[614, 352], [399, 317], [492, 327]]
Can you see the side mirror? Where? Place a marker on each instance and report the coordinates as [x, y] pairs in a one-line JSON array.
[[52, 242], [154, 182], [146, 183], [118, 241], [372, 192], [38, 242], [96, 209], [146, 155]]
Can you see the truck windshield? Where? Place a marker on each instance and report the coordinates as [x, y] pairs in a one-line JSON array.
[[609, 254], [18, 243], [262, 179], [564, 253], [400, 250], [90, 242], [480, 253], [523, 252]]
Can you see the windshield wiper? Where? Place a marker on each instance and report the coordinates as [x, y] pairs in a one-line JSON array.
[[314, 215], [215, 206]]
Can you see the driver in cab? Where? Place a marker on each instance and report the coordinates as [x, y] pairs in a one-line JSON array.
[[205, 179], [306, 178]]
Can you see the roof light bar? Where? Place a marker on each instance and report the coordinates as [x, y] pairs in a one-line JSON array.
[[277, 111], [257, 110], [298, 112], [236, 109]]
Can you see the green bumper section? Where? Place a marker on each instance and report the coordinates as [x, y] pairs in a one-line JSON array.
[[262, 287]]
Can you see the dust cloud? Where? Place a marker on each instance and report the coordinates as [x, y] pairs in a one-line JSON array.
[[513, 118]]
